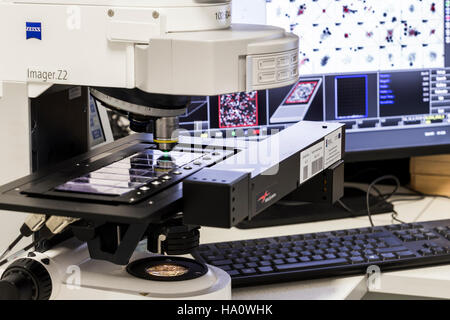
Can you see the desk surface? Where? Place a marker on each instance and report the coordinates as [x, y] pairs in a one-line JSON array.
[[425, 282]]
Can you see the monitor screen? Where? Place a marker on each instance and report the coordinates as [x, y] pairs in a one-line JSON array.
[[96, 135], [380, 67]]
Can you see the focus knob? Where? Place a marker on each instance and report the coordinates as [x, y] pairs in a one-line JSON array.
[[25, 279]]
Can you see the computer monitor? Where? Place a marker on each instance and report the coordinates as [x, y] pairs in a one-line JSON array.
[[380, 67]]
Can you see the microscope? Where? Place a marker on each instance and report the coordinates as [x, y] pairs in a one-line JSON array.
[[118, 221]]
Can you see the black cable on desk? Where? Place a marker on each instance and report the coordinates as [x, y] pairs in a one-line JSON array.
[[372, 185]]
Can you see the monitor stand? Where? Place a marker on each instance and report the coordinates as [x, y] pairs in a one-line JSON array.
[[279, 215]]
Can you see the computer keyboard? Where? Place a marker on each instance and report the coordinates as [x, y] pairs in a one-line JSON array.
[[334, 253]]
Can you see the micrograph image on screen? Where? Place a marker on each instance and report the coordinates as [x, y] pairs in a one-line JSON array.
[[363, 35], [302, 92], [238, 110]]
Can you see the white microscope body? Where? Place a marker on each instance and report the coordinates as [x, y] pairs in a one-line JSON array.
[[172, 47]]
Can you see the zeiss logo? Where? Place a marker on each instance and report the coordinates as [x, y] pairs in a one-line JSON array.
[[34, 30]]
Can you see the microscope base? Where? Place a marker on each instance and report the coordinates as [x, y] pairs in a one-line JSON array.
[[74, 276]]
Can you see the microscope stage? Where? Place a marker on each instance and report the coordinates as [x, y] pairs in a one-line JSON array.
[[126, 181], [140, 171]]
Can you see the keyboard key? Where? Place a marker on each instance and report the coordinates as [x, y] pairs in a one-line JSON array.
[[265, 269], [356, 260], [426, 252], [221, 262], [388, 256], [212, 258], [251, 265], [420, 237], [278, 261], [391, 241], [312, 264], [330, 256], [317, 257], [363, 230], [291, 260], [377, 230], [393, 249], [248, 271], [304, 259], [233, 273], [265, 263], [283, 239], [406, 254], [238, 266], [431, 235], [406, 226], [407, 238], [373, 258]]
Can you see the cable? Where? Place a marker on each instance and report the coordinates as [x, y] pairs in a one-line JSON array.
[[395, 215], [346, 208], [33, 223], [11, 246], [25, 249], [383, 198], [291, 203], [372, 185]]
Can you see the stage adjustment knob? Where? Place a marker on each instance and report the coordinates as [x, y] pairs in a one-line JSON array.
[[25, 279]]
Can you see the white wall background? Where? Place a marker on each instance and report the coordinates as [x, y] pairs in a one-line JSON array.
[[14, 153], [249, 11]]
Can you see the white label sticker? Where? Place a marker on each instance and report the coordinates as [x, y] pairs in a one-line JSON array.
[[333, 147], [74, 93], [311, 161]]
